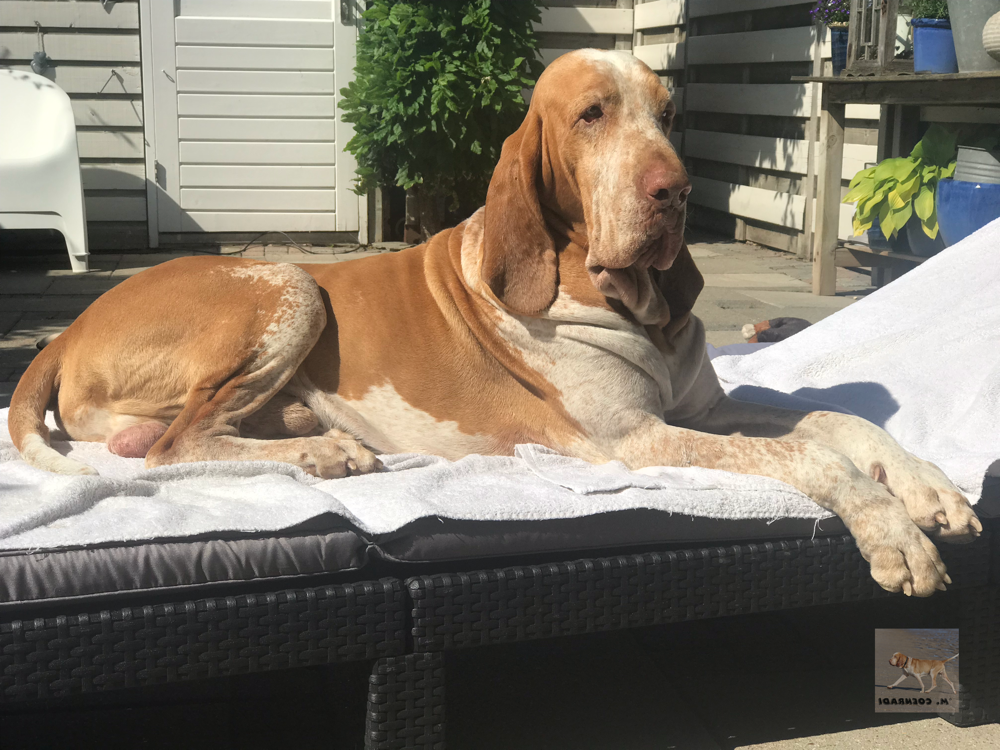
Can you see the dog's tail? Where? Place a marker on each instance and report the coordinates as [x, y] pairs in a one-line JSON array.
[[26, 419], [954, 657]]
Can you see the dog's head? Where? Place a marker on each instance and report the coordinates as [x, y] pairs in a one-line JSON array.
[[897, 659], [593, 155]]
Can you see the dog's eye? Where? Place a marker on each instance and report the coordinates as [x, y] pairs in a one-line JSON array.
[[592, 113], [667, 117]]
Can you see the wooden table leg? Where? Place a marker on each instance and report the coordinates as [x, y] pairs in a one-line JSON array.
[[831, 152]]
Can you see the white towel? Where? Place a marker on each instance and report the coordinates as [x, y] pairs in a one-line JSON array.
[[40, 510], [919, 357], [922, 353]]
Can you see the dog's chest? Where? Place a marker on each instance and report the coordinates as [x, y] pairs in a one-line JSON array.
[[605, 368]]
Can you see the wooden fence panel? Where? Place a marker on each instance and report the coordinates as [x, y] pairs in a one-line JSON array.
[[750, 130]]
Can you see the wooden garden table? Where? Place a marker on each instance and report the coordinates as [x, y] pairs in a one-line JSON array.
[[901, 97]]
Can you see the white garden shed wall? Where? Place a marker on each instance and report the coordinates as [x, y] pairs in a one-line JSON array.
[[247, 131]]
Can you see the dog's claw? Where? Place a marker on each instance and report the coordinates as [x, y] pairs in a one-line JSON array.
[[941, 586], [947, 578], [941, 518], [907, 588]]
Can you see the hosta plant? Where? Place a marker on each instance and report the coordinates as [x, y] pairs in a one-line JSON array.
[[895, 189]]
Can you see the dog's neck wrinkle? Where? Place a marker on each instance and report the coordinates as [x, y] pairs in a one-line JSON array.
[[560, 227], [633, 287]]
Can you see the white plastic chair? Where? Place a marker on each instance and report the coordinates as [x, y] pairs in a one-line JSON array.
[[40, 185]]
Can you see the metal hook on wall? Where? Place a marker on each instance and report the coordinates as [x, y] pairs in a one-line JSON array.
[[40, 62]]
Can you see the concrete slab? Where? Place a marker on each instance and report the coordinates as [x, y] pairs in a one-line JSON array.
[[740, 264], [144, 260], [72, 303], [718, 319], [21, 281], [130, 265], [800, 299], [98, 267], [86, 285], [753, 280], [812, 314], [701, 251], [8, 321], [724, 338], [358, 254], [921, 734], [120, 274]]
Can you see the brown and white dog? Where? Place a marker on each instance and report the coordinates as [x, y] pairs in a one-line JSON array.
[[919, 668], [557, 314]]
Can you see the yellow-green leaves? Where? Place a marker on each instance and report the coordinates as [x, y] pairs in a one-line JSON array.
[[859, 189], [895, 189], [924, 203], [863, 174]]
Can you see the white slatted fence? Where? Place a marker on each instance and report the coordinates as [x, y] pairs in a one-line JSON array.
[[660, 42], [567, 25], [748, 126]]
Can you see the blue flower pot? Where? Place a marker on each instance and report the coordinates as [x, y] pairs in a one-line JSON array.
[[965, 207], [933, 46], [877, 240], [917, 240], [838, 49]]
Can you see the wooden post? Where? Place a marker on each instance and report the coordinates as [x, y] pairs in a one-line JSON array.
[[831, 152], [621, 40], [378, 215], [804, 248], [411, 226]]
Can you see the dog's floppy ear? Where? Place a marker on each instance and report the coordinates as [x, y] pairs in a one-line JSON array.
[[519, 256], [681, 284]]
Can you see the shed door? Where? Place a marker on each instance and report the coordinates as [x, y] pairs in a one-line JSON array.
[[248, 137]]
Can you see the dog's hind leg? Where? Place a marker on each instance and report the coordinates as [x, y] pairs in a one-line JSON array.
[[944, 674], [289, 319]]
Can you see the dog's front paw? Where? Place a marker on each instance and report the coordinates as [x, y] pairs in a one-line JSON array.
[[932, 500], [902, 558]]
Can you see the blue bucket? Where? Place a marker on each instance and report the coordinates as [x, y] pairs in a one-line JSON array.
[[838, 49], [965, 207], [933, 46]]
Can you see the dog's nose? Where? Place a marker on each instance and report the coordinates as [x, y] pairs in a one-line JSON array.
[[667, 188]]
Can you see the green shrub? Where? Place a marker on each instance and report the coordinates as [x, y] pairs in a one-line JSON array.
[[437, 90], [929, 8]]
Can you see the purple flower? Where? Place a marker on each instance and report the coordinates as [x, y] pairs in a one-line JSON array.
[[832, 11]]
